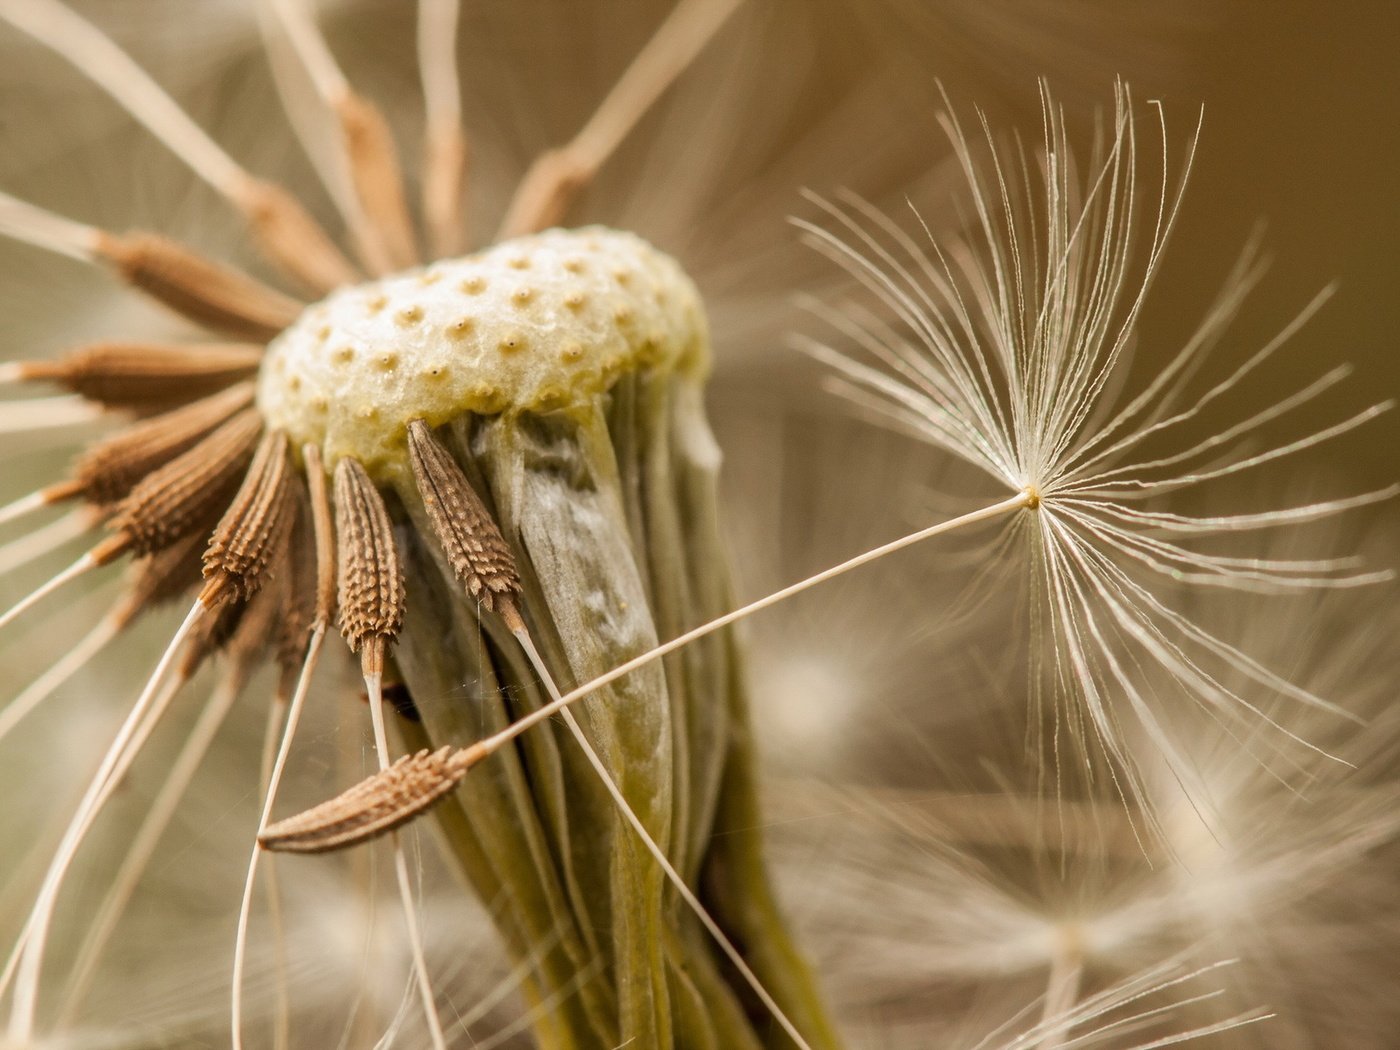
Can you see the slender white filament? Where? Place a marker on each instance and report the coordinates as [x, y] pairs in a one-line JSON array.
[[687, 29], [23, 506], [153, 825], [245, 910], [373, 683], [43, 541], [1018, 502], [32, 940], [58, 672], [31, 224], [84, 564], [94, 55], [437, 61], [46, 413]]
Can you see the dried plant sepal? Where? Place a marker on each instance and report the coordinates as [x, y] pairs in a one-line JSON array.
[[323, 533], [478, 553], [297, 588], [370, 577], [206, 292], [375, 806]]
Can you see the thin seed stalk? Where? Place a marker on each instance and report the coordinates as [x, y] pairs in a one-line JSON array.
[[610, 510]]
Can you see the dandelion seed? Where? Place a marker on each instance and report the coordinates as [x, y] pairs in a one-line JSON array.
[[1004, 350]]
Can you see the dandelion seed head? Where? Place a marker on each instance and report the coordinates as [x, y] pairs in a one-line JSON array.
[[467, 342]]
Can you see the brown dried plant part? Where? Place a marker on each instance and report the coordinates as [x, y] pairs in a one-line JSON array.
[[370, 576], [203, 465], [374, 168], [291, 238], [373, 807], [478, 553], [107, 471], [254, 528], [206, 292], [170, 502], [145, 376]]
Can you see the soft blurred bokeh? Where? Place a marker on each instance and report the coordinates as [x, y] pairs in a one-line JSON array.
[[1301, 132]]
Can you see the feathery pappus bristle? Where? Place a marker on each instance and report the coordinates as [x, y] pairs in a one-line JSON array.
[[1009, 349]]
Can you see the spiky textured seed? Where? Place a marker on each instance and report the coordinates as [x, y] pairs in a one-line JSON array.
[[477, 551], [145, 375], [203, 291], [370, 578], [111, 468], [173, 500], [254, 526], [375, 806]]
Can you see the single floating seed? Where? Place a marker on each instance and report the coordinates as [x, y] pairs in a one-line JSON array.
[[370, 577]]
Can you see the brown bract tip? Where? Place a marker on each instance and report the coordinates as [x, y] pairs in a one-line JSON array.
[[374, 168], [108, 470], [293, 239], [147, 376]]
